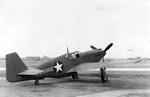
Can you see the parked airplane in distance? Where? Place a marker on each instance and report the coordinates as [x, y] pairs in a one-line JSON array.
[[61, 66]]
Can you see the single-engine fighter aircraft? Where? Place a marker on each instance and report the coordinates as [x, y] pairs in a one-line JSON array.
[[61, 66]]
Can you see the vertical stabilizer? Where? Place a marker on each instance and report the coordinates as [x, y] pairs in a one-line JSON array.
[[14, 65]]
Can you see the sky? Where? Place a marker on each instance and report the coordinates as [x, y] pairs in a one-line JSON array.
[[47, 27]]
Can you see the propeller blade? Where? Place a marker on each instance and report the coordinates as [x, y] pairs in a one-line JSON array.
[[93, 47], [103, 59], [108, 47]]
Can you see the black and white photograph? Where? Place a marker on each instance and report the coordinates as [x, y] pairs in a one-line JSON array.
[[74, 48]]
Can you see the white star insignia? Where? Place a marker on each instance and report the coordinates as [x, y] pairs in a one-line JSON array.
[[58, 66]]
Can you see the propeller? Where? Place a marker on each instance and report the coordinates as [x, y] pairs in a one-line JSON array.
[[103, 59], [93, 47], [108, 47]]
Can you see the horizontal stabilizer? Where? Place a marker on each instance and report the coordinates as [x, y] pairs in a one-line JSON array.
[[30, 72]]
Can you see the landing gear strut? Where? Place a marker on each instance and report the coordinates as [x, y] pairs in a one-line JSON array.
[[75, 75], [104, 76], [36, 82]]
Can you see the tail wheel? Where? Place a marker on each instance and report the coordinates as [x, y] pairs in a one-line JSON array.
[[104, 76], [36, 82], [75, 75]]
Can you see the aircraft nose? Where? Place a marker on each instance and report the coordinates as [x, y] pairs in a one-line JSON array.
[[100, 53], [104, 53]]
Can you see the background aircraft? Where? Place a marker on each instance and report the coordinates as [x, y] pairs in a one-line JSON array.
[[61, 66]]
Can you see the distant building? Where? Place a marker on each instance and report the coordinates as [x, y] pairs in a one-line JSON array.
[[44, 58], [30, 58]]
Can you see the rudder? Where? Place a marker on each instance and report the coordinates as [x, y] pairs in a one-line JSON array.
[[14, 65]]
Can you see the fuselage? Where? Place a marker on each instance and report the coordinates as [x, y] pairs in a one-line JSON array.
[[62, 64]]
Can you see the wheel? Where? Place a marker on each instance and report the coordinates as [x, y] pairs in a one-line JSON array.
[[36, 82], [75, 75], [104, 76]]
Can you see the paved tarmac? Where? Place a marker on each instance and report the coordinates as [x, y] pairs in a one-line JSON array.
[[126, 84]]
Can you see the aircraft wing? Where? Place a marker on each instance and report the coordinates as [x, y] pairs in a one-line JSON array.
[[87, 66], [30, 72], [115, 63]]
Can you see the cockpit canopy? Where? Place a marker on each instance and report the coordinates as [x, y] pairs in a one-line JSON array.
[[74, 55]]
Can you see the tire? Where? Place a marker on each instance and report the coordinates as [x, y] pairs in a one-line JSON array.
[[104, 76], [36, 82]]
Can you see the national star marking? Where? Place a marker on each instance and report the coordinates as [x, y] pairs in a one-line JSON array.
[[58, 66]]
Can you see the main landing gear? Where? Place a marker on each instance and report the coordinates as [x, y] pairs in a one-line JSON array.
[[75, 75], [104, 76], [37, 82]]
